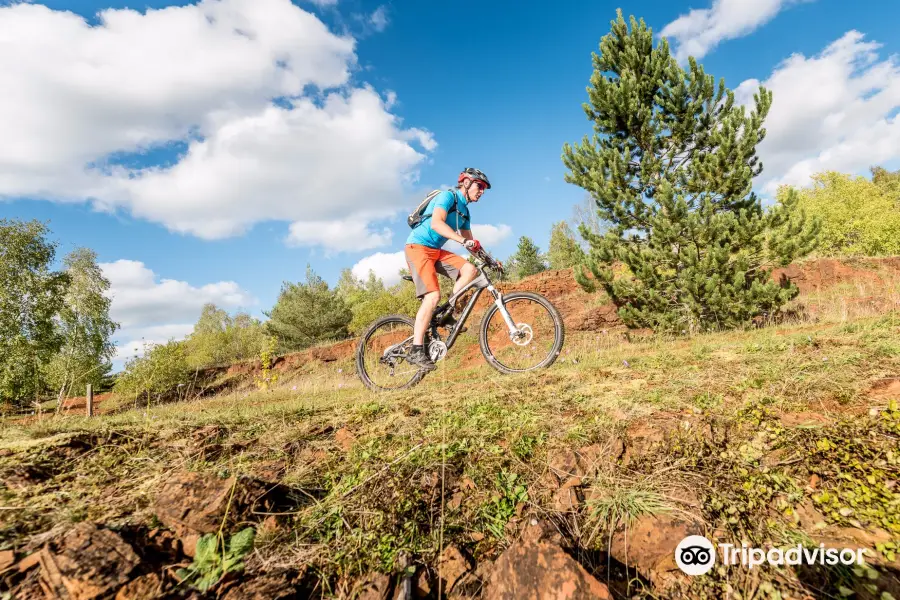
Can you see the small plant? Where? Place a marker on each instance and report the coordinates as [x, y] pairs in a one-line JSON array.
[[525, 446], [502, 506], [266, 358], [210, 564]]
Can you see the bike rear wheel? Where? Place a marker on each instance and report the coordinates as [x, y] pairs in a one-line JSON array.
[[381, 355], [540, 339]]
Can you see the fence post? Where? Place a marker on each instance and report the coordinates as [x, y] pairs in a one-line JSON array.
[[90, 400]]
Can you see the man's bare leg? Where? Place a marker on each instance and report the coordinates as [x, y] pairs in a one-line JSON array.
[[466, 275], [423, 316]]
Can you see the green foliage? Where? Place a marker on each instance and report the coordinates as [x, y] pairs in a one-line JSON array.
[[308, 313], [564, 251], [162, 368], [670, 169], [355, 291], [860, 217], [369, 300], [31, 295], [888, 181], [85, 326], [220, 339], [502, 505], [266, 357], [212, 562], [527, 260]]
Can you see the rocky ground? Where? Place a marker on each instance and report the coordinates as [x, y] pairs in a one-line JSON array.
[[577, 482]]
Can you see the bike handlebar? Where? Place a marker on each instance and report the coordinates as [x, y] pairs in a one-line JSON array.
[[489, 260]]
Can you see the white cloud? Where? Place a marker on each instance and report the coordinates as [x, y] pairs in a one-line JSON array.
[[203, 76], [379, 18], [338, 235], [490, 235], [160, 309], [139, 300], [836, 110], [324, 3], [385, 266], [698, 32]]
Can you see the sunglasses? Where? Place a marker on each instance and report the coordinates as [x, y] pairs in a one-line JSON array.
[[480, 185]]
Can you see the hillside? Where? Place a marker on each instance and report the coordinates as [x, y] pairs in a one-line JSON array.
[[580, 479]]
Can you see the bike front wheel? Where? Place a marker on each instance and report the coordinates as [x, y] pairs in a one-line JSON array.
[[381, 355], [539, 334]]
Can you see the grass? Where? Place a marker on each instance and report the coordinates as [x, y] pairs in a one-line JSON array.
[[463, 458]]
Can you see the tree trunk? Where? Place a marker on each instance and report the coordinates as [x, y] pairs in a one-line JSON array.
[[62, 390]]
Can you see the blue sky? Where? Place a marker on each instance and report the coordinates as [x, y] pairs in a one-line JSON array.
[[209, 151]]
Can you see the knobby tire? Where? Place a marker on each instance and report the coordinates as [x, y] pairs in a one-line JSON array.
[[559, 338]]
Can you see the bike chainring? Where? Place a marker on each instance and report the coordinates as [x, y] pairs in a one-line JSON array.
[[437, 350], [523, 335]]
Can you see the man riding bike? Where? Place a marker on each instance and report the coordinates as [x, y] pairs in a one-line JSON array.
[[447, 219]]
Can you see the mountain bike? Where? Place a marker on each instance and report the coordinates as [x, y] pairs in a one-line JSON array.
[[520, 332]]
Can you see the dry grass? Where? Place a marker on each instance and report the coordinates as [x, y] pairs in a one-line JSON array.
[[390, 490]]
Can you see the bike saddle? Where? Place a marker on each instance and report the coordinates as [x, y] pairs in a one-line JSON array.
[[406, 277]]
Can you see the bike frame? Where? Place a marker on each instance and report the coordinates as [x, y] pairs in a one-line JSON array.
[[480, 283]]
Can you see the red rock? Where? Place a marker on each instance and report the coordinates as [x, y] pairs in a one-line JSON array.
[[375, 586], [649, 545], [146, 587], [87, 563], [194, 502], [452, 565], [345, 439], [568, 497], [270, 586], [541, 571]]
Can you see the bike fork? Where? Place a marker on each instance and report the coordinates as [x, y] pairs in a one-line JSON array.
[[498, 300]]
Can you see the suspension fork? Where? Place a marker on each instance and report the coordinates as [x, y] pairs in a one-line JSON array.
[[498, 300]]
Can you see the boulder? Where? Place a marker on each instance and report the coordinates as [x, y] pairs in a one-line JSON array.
[[648, 546], [86, 563], [452, 565], [541, 570]]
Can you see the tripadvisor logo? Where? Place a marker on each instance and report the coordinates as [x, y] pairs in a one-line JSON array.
[[696, 555]]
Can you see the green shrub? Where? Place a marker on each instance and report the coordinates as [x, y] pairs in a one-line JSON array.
[[161, 369], [860, 217]]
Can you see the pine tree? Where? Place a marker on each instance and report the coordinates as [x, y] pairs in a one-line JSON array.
[[308, 313], [527, 259], [670, 168], [564, 251]]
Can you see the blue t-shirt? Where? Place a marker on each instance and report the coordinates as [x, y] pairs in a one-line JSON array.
[[424, 235]]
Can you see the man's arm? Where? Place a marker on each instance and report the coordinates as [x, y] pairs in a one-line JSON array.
[[439, 224]]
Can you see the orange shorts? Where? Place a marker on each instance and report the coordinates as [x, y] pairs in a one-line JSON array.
[[425, 263]]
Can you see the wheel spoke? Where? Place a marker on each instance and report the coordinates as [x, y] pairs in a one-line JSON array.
[[381, 356], [536, 339]]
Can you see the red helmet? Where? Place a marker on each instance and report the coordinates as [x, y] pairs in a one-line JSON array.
[[475, 174]]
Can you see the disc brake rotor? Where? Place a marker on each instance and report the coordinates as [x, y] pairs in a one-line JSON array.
[[523, 334]]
